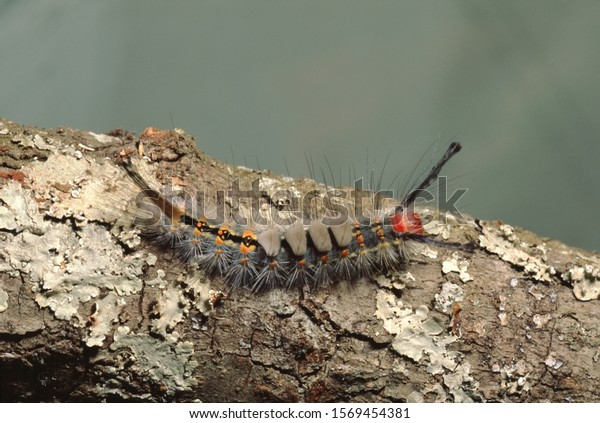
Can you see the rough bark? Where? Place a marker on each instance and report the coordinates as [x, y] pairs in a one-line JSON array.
[[90, 311]]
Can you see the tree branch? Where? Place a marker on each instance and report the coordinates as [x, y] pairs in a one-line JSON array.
[[89, 310]]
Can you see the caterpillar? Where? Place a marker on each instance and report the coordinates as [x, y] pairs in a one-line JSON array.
[[293, 255]]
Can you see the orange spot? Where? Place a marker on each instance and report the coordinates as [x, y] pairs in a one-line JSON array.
[[245, 249], [360, 239], [178, 181], [249, 234], [154, 133], [15, 175]]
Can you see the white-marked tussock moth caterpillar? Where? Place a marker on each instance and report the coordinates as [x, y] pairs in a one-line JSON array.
[[296, 254]]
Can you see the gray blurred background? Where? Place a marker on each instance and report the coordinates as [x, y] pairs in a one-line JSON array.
[[517, 82]]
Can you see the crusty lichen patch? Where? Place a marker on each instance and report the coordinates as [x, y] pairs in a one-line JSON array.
[[84, 190], [68, 268], [461, 384], [449, 294], [170, 365], [504, 242], [419, 336], [583, 274], [65, 235], [20, 212], [3, 300], [585, 280], [170, 309], [36, 141], [176, 300], [458, 265], [106, 313]]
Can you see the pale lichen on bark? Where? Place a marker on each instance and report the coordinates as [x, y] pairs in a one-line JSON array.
[[140, 325]]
